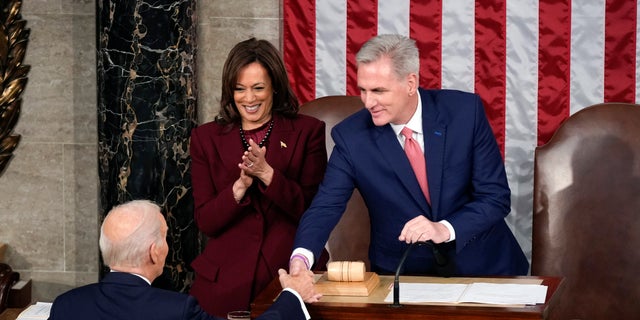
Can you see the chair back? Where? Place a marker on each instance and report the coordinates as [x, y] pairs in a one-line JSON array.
[[7, 279], [586, 219], [349, 240]]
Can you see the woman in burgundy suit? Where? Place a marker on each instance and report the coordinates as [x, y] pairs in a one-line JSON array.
[[255, 170]]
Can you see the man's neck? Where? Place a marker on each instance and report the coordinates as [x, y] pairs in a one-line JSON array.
[[148, 276]]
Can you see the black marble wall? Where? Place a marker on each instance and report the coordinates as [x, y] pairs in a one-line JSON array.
[[146, 110]]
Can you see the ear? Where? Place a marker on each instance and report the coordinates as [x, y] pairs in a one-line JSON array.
[[154, 254], [412, 83]]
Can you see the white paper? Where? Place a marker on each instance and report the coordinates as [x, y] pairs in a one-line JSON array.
[[487, 293], [505, 293], [37, 311], [428, 292]]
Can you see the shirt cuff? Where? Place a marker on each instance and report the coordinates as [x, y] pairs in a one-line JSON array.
[[302, 305], [305, 252], [452, 233]]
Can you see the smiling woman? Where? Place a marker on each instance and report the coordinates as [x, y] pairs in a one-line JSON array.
[[13, 75], [254, 171]]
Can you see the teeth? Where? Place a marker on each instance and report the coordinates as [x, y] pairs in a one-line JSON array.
[[252, 108]]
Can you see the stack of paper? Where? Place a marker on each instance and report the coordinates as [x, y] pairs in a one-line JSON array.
[[37, 311], [478, 292]]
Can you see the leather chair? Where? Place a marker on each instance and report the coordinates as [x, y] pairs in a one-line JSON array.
[[586, 219], [349, 240], [8, 277]]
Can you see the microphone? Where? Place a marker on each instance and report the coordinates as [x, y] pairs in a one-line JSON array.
[[443, 267]]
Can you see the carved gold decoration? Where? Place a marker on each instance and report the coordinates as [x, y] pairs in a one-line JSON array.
[[13, 75]]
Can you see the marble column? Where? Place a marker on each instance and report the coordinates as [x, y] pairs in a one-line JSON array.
[[146, 110]]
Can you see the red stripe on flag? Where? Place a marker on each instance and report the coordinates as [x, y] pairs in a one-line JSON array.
[[362, 24], [620, 51], [299, 48], [490, 62], [554, 54], [425, 24]]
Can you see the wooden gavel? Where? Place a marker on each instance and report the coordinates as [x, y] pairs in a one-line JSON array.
[[346, 271]]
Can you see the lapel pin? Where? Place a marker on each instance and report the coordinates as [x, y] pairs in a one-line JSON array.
[[282, 144]]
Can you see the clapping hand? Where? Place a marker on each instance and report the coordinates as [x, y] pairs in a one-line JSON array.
[[255, 164]]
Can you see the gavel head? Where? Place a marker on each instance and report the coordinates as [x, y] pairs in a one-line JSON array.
[[347, 271]]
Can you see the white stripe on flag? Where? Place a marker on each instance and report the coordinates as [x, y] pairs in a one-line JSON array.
[[331, 52], [587, 53], [458, 44], [393, 17], [521, 113]]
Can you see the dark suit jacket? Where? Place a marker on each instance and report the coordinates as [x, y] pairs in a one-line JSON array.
[[264, 223], [467, 184], [126, 296]]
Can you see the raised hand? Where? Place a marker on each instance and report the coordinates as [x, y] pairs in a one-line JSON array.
[[254, 163]]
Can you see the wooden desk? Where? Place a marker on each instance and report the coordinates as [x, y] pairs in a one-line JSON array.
[[374, 307], [10, 313]]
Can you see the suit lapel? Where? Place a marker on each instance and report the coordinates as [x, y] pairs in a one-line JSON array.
[[282, 142], [229, 147], [434, 129], [389, 147]]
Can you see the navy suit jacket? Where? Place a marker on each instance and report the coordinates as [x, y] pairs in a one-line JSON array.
[[467, 185], [126, 296]]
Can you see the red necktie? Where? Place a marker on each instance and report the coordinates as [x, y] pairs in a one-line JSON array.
[[416, 158]]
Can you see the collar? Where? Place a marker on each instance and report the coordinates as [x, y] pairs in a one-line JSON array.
[[415, 123], [135, 274]]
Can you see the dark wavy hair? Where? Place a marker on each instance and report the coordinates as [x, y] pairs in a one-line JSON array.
[[244, 53]]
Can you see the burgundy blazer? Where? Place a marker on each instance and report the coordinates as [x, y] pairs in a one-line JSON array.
[[265, 221]]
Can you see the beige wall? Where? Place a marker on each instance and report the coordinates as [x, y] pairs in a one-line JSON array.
[[49, 193]]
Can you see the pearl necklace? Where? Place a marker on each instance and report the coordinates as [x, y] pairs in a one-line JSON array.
[[245, 143]]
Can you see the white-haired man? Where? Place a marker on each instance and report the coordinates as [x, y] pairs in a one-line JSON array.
[[133, 244]]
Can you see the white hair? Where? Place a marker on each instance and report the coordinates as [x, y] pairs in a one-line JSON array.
[[401, 50], [132, 250]]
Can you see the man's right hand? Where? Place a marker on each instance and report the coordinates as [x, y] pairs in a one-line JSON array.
[[301, 283], [297, 266]]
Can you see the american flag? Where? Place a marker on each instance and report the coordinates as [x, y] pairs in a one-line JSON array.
[[534, 63]]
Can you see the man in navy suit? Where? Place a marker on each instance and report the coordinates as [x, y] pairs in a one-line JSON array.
[[133, 243], [467, 195]]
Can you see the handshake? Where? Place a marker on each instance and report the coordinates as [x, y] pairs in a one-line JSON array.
[[302, 281], [348, 274]]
